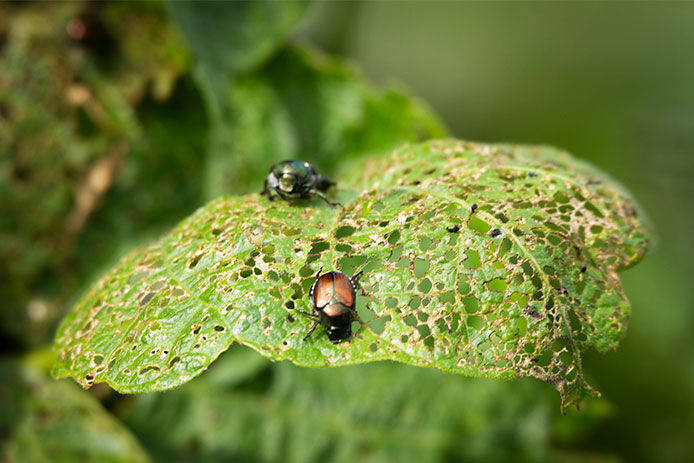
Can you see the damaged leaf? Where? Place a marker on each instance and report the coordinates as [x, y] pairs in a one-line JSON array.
[[496, 261]]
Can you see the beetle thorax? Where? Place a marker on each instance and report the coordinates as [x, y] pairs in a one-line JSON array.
[[334, 309], [287, 182]]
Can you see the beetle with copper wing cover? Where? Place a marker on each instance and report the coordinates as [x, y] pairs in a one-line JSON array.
[[333, 296]]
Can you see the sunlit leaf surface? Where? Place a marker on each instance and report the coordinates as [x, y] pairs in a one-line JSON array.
[[484, 260]]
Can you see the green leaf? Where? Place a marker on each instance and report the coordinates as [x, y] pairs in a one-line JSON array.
[[229, 38], [268, 101], [305, 105], [256, 410], [56, 421], [526, 285]]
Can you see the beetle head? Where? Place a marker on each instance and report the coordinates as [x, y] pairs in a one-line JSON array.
[[338, 334], [287, 182]]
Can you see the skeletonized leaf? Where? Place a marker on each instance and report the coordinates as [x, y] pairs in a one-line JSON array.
[[484, 260]]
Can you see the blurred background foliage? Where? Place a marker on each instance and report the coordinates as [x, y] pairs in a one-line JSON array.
[[119, 119]]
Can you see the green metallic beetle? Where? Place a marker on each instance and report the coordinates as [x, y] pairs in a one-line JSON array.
[[294, 180]]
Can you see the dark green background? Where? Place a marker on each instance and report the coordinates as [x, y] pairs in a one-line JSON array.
[[612, 83]]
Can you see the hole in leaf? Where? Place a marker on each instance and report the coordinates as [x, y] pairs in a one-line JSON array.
[[344, 231], [472, 260], [421, 267], [424, 286], [463, 287], [343, 248], [497, 284], [447, 297], [591, 207], [478, 225], [146, 298], [194, 261], [149, 369], [470, 304], [378, 325], [319, 247], [414, 302], [349, 265], [423, 330], [394, 237], [475, 322], [395, 254]]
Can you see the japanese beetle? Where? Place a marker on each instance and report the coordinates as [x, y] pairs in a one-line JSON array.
[[333, 295], [296, 179]]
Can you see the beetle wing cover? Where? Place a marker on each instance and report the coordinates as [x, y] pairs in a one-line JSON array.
[[323, 290], [344, 289]]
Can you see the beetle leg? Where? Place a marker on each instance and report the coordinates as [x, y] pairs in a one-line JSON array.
[[354, 281], [313, 286], [283, 196], [312, 315], [322, 196], [323, 183], [310, 330]]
